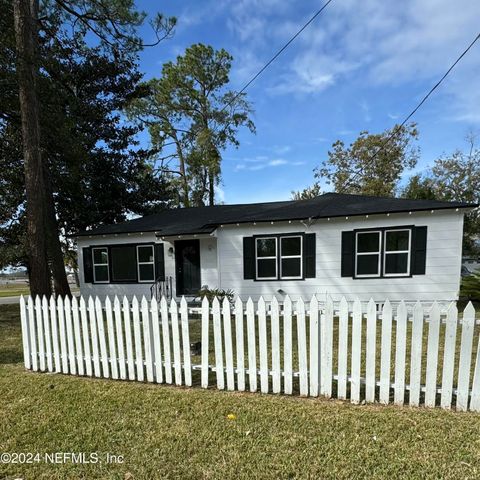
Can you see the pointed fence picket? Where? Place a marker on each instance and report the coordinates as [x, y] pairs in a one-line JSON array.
[[150, 341]]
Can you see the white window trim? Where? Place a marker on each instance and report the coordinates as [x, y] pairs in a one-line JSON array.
[[385, 253], [282, 277], [379, 253], [275, 257], [100, 265], [145, 263]]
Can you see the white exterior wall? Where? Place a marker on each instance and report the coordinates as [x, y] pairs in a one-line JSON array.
[[208, 264], [443, 263], [221, 261]]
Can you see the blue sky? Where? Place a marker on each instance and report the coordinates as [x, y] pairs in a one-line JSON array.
[[362, 65]]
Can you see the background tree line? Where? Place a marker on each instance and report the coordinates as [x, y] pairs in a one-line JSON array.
[[371, 166], [69, 155]]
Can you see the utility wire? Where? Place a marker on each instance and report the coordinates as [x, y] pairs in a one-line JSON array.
[[410, 115], [292, 39]]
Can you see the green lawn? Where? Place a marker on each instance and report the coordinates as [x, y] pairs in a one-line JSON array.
[[14, 290], [17, 289], [171, 432]]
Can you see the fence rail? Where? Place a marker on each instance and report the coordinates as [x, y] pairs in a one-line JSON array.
[[421, 356]]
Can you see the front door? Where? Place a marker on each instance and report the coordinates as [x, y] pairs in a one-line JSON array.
[[187, 266]]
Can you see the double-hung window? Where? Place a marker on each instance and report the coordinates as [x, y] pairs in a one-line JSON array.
[[100, 265], [279, 257], [396, 260], [368, 254], [266, 258], [146, 264], [383, 253]]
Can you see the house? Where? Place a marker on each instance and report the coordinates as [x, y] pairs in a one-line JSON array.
[[336, 244]]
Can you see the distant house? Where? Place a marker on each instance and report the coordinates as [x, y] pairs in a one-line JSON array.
[[335, 244]]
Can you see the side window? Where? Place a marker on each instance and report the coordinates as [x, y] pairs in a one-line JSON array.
[[146, 263], [100, 265], [397, 252], [266, 258], [368, 248]]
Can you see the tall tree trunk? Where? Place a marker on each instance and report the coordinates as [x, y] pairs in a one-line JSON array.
[[54, 247], [26, 44], [211, 189]]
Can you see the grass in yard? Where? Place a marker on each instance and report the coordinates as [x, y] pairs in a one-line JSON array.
[[171, 432], [16, 289]]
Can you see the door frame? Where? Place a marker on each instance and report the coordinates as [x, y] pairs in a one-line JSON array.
[[179, 279]]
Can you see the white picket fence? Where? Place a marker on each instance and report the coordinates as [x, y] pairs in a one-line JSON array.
[[290, 347]]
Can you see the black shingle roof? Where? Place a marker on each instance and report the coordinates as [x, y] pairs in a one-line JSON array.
[[184, 221]]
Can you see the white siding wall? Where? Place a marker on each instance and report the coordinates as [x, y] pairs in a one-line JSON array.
[[208, 265], [208, 262], [221, 261], [441, 281]]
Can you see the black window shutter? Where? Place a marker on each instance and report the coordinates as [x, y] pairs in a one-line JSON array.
[[248, 258], [348, 254], [87, 265], [159, 262], [419, 250], [309, 255]]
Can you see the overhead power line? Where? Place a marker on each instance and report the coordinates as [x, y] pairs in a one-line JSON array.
[[410, 115], [279, 52]]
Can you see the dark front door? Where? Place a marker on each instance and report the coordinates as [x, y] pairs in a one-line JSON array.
[[187, 266]]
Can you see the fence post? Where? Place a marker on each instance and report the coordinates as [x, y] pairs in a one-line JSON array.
[[252, 355], [385, 362], [240, 350], [40, 337], [177, 360], [400, 352], [205, 342], [356, 351], [449, 357], [262, 345], [187, 367], [27, 360], [314, 350], [217, 334], [465, 363], [370, 353], [302, 348], [287, 346], [227, 333], [166, 340], [416, 355], [342, 349], [432, 356], [119, 333], [48, 336]]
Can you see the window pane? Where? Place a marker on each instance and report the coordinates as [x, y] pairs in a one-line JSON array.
[[146, 272], [397, 240], [267, 268], [100, 255], [291, 267], [368, 242], [266, 247], [367, 264], [396, 263], [124, 264], [145, 254], [101, 273], [291, 246]]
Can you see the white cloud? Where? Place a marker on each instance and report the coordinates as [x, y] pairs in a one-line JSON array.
[[261, 162], [372, 42]]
